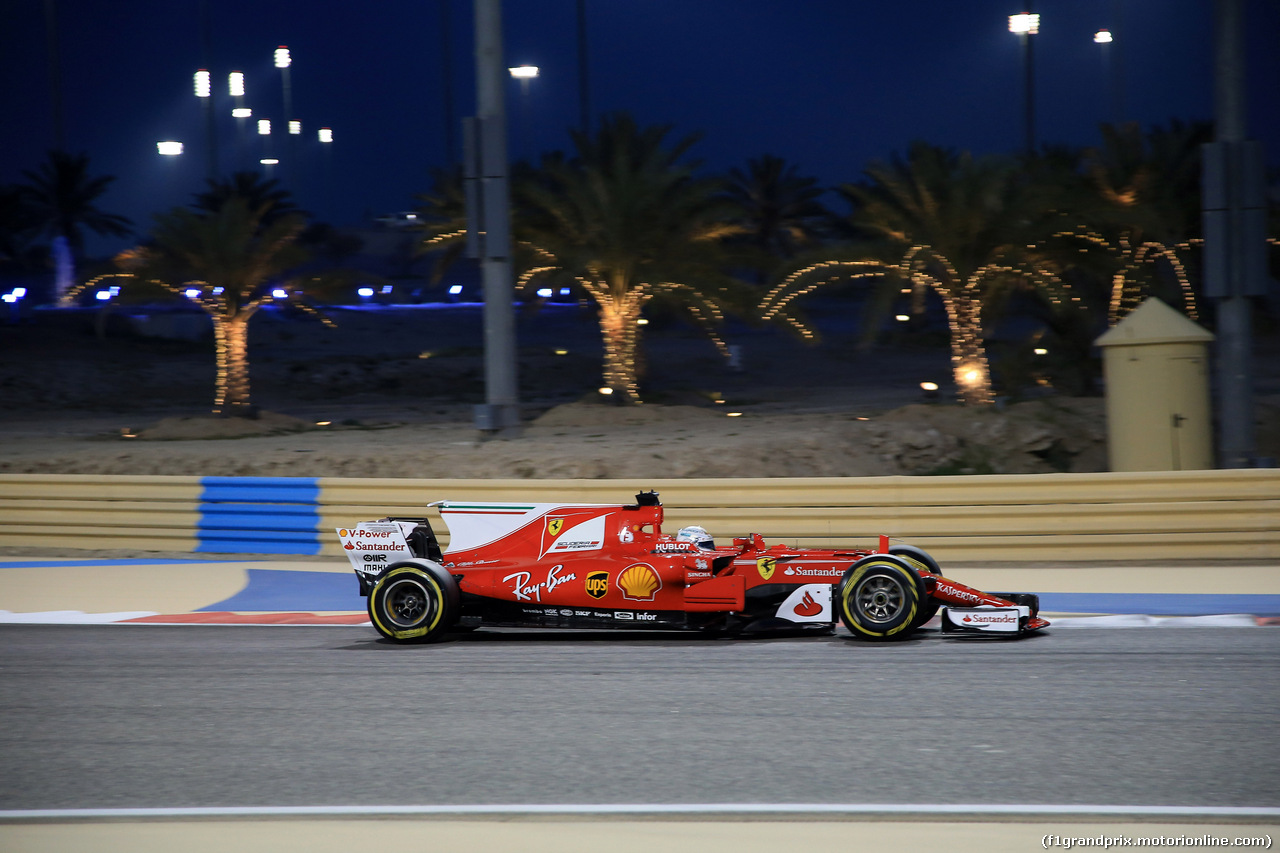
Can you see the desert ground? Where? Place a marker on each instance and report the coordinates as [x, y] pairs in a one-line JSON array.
[[391, 393]]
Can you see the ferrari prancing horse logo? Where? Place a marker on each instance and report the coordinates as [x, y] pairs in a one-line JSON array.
[[554, 526], [766, 565]]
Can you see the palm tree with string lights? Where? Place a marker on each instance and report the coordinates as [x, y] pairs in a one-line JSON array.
[[229, 261], [779, 211], [629, 222], [935, 222], [1142, 215], [61, 198], [443, 213]]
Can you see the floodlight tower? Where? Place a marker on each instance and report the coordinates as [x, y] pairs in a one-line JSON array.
[[526, 74], [204, 91], [283, 61], [235, 88], [1024, 26]]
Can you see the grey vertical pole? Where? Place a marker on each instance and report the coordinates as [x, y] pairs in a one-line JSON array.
[[446, 62], [584, 88], [1028, 61], [55, 73], [210, 126], [500, 413], [1234, 231]]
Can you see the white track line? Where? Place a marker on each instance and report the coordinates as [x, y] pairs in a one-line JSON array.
[[608, 810]]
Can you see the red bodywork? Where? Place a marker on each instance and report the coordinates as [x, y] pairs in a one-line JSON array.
[[599, 560]]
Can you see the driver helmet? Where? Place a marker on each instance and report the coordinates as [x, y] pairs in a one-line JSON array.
[[697, 535]]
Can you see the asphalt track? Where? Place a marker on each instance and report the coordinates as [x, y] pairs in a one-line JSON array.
[[287, 717], [197, 716]]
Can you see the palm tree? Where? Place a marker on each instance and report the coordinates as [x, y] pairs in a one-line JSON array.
[[267, 195], [61, 197], [443, 212], [230, 263], [629, 223], [1145, 213], [942, 222], [779, 210]]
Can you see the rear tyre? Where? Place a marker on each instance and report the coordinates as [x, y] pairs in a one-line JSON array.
[[879, 599], [923, 563], [414, 602]]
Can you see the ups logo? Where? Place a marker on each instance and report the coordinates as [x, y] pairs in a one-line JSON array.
[[554, 526], [597, 584], [766, 565]]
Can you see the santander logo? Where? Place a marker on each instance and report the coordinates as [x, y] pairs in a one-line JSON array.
[[807, 606]]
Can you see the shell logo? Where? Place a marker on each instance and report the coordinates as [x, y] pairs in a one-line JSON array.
[[343, 532], [639, 582]]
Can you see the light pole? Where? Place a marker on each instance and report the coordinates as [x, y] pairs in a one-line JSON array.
[[325, 135], [283, 61], [1024, 26], [525, 74], [204, 91], [489, 225], [235, 88], [264, 130]]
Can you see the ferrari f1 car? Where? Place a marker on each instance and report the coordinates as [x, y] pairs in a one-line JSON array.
[[534, 565]]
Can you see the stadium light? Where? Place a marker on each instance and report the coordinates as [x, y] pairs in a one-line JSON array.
[[204, 86], [235, 84], [169, 149], [282, 57]]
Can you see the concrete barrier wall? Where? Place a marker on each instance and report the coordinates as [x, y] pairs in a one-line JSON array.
[[1045, 517]]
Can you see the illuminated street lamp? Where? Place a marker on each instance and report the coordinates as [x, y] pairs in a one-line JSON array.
[[204, 91], [525, 74], [283, 60], [1024, 26], [1111, 72], [235, 88]]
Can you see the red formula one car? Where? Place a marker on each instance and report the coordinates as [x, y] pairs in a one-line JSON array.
[[610, 566]]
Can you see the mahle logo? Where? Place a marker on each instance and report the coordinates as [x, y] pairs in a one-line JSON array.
[[766, 565], [597, 584], [554, 526]]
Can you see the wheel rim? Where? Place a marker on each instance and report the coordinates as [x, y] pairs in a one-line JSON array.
[[407, 603], [880, 599]]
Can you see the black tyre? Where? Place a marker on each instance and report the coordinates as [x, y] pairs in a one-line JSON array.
[[414, 602], [879, 598], [922, 562]]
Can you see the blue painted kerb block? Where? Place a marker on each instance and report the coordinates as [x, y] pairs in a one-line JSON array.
[[259, 515]]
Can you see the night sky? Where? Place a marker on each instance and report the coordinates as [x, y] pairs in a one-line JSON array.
[[827, 85]]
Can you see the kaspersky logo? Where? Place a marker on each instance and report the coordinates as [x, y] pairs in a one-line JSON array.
[[597, 584], [765, 566], [554, 526]]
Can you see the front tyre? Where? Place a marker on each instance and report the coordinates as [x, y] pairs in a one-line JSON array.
[[414, 602], [879, 599], [923, 563]]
